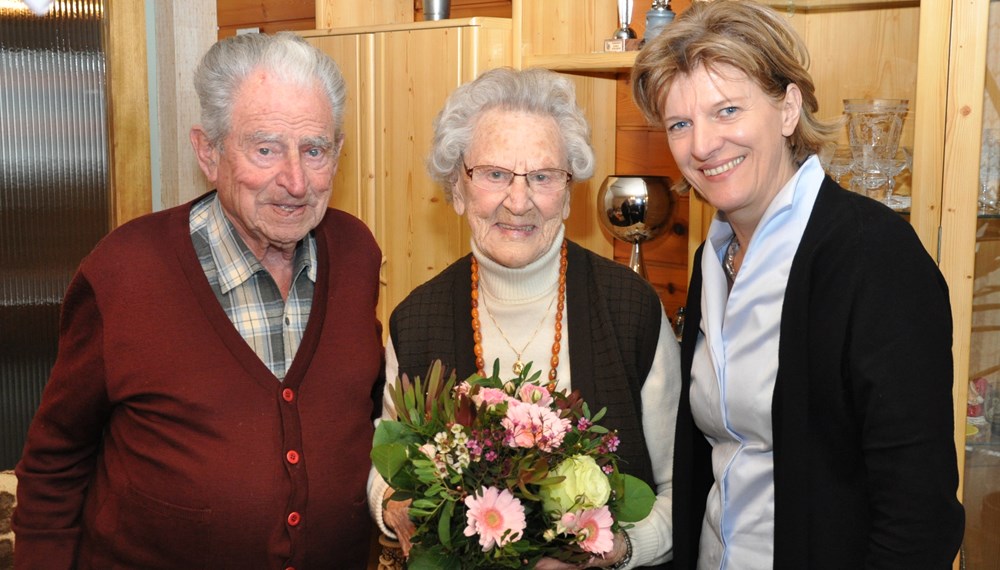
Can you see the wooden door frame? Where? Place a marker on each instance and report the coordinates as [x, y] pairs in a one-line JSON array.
[[130, 172]]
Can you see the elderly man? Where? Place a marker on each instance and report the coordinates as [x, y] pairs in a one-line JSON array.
[[212, 399]]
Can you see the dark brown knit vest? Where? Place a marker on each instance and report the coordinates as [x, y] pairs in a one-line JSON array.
[[613, 321]]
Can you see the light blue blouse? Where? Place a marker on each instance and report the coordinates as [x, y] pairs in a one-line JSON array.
[[733, 375]]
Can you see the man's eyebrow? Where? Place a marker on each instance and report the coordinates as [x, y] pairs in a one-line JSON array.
[[262, 137], [321, 141]]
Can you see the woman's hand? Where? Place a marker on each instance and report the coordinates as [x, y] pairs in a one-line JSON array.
[[395, 515], [618, 552]]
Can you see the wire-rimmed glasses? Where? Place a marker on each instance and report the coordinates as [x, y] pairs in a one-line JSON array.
[[497, 179]]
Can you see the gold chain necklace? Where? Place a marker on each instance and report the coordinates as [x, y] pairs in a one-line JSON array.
[[518, 365], [477, 335]]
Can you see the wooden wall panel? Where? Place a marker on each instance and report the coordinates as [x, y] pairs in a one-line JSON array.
[[470, 9], [351, 13], [183, 35], [269, 27], [641, 150], [268, 15], [128, 111], [232, 12]]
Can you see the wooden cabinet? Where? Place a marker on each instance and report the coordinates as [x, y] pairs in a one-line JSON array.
[[970, 260], [398, 78]]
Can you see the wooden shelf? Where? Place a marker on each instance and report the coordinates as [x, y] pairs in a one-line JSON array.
[[805, 6], [502, 23], [583, 62]]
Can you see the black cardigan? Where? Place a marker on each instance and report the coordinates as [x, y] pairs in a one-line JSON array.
[[864, 458]]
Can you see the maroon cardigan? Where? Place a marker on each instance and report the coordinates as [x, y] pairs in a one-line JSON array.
[[163, 441]]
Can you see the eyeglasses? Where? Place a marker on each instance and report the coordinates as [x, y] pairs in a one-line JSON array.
[[496, 179]]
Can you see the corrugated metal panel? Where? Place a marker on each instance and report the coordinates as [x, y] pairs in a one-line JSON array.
[[54, 202]]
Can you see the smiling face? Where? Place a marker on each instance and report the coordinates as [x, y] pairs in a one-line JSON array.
[[728, 139], [516, 226], [274, 169]]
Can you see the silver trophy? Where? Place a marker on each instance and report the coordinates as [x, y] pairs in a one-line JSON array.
[[635, 209], [624, 31]]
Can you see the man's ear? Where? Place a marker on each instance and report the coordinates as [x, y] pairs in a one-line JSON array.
[[338, 145], [206, 152]]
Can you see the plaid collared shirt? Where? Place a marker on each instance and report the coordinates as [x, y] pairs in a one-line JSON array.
[[271, 326]]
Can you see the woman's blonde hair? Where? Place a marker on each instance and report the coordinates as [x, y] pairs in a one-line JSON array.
[[747, 36]]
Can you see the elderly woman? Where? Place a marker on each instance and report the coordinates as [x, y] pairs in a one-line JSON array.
[[506, 149], [815, 421]]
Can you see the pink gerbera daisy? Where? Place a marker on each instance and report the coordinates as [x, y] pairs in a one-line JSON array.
[[593, 529], [528, 425], [496, 516]]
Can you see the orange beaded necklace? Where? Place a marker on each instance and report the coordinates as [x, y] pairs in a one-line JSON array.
[[477, 336]]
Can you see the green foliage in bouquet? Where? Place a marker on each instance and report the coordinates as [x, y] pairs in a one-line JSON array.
[[503, 472]]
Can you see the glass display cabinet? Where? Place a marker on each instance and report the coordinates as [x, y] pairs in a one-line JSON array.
[[979, 314]]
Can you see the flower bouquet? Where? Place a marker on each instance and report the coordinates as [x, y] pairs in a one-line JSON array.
[[503, 472]]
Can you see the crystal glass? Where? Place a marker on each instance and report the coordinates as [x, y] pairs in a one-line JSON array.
[[893, 167], [871, 183], [836, 161], [989, 171], [874, 128]]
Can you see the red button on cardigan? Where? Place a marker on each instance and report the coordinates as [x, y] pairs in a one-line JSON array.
[[292, 456], [294, 518], [288, 394]]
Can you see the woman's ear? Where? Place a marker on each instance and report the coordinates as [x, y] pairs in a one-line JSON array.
[[457, 198], [791, 108], [206, 152]]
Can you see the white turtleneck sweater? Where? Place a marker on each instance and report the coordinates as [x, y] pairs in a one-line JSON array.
[[516, 298]]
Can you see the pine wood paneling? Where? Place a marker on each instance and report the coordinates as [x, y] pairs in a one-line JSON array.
[[269, 27], [471, 9], [128, 111], [351, 13], [269, 16], [237, 12], [641, 150]]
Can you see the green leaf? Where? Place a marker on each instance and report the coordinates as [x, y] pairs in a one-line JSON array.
[[388, 459], [637, 501], [390, 431], [550, 480], [444, 524], [425, 504], [597, 417], [428, 559]]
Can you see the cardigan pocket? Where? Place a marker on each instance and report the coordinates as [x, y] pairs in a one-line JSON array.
[[152, 533]]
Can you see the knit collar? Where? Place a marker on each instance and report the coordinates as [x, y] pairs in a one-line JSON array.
[[524, 284]]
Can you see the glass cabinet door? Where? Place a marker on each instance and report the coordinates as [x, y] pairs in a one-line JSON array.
[[981, 476]]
